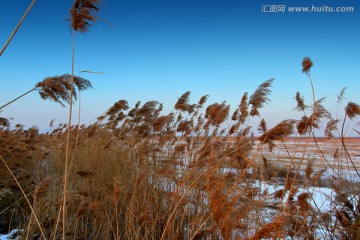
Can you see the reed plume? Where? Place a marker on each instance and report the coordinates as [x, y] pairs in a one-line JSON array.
[[330, 127], [270, 230], [281, 130], [217, 113], [341, 95], [352, 110], [306, 65], [83, 13], [303, 203], [133, 111], [306, 124], [309, 169], [148, 113], [262, 126], [158, 110], [183, 102], [184, 126], [4, 122], [162, 121], [57, 89], [340, 98], [244, 112], [117, 107], [259, 97], [235, 115], [202, 100], [301, 106]]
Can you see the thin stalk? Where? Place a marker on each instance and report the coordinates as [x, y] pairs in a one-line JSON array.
[[346, 151], [17, 27], [314, 101], [68, 137], [313, 133], [26, 198], [17, 98]]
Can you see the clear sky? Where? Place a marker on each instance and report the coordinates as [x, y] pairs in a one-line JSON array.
[[159, 49]]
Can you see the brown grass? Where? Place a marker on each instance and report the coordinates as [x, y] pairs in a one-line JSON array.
[[136, 178]]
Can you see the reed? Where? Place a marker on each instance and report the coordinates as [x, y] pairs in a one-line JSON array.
[[198, 172]]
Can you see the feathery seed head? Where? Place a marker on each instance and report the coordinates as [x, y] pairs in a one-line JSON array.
[[306, 65], [82, 14], [57, 88], [352, 110]]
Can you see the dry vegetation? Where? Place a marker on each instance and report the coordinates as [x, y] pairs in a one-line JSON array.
[[137, 173]]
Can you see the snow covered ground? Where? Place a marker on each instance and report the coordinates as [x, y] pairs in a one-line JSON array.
[[11, 235]]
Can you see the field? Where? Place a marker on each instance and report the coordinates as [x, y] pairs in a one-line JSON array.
[[198, 171]]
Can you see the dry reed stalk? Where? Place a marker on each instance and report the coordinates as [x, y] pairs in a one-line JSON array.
[[82, 13], [306, 67], [17, 27], [352, 110], [25, 196], [183, 196], [57, 89], [307, 64]]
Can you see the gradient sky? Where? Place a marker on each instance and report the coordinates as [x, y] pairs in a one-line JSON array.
[[159, 49]]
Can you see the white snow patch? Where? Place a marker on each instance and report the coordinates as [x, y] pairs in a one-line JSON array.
[[10, 235]]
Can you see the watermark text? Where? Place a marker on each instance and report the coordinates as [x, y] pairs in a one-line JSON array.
[[309, 9]]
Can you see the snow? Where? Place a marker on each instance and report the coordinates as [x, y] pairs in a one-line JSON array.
[[10, 235]]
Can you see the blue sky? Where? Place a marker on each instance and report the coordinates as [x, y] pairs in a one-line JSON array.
[[159, 49]]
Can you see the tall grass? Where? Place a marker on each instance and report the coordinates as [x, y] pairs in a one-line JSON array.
[[139, 174], [82, 14], [198, 172]]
